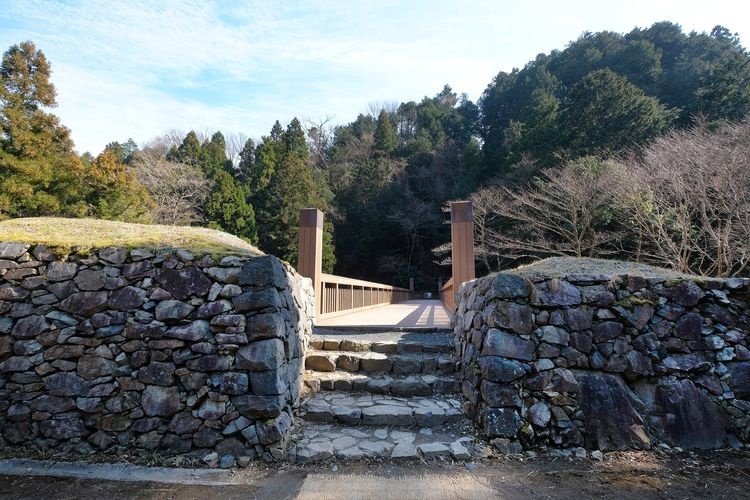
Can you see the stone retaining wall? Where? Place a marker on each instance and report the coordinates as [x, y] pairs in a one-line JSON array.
[[606, 362], [150, 350]]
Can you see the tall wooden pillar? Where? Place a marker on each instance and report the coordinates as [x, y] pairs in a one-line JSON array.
[[310, 250], [462, 242]]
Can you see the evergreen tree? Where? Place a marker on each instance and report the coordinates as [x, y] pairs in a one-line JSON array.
[[605, 112], [113, 191], [228, 205], [282, 184], [39, 172], [38, 169], [386, 140]]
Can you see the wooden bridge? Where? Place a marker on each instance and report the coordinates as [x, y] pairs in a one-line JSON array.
[[341, 301]]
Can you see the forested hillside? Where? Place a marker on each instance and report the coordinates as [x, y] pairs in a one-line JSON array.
[[383, 180]]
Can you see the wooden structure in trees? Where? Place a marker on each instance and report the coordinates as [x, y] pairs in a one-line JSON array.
[[336, 295], [462, 251]]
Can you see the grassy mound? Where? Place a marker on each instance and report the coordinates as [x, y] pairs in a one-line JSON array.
[[560, 267], [87, 234]]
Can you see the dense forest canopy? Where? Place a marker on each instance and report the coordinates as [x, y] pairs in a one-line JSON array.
[[383, 180]]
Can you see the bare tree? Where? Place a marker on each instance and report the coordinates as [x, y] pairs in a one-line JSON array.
[[691, 201], [235, 143], [179, 190], [565, 211], [375, 107], [320, 134]]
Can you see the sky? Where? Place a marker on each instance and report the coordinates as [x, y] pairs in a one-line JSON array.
[[139, 69]]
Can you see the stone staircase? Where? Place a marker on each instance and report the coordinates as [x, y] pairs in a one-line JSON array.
[[386, 395]]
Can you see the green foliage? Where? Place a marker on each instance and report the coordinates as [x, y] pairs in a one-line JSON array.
[[228, 206], [604, 112], [39, 172], [282, 183], [385, 137], [657, 78]]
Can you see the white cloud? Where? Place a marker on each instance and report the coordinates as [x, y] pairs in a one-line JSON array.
[[138, 68]]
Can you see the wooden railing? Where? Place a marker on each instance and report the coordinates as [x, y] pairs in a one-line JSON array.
[[336, 295], [340, 295], [448, 295], [462, 251]]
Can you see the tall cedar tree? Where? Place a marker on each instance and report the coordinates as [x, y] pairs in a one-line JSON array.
[[227, 206], [283, 183], [40, 174]]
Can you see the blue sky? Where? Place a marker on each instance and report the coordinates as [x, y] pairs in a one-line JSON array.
[[140, 68]]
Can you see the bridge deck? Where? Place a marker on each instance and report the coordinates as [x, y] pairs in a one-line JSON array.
[[409, 314]]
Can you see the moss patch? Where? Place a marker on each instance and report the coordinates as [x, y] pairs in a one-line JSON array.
[[84, 235], [562, 267]]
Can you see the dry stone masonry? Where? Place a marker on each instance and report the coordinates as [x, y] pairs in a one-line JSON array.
[[606, 362], [156, 350]]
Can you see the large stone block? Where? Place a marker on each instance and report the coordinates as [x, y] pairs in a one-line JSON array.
[[61, 271], [91, 367], [499, 343], [509, 286], [514, 317], [193, 332], [262, 355], [497, 369], [11, 250], [613, 414], [500, 422], [260, 300], [157, 373], [161, 401], [230, 382], [30, 326], [268, 383], [172, 310], [84, 303], [274, 430], [262, 272], [263, 326], [127, 298], [500, 395], [66, 384], [740, 381], [255, 407], [687, 417], [185, 282], [558, 293]]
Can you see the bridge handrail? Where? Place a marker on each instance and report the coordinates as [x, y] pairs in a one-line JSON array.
[[342, 295], [447, 294], [342, 280]]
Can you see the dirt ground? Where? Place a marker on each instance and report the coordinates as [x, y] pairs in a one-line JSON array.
[[642, 475]]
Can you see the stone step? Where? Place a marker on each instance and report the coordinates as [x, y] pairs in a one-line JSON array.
[[324, 442], [374, 362], [353, 344], [379, 410], [396, 385]]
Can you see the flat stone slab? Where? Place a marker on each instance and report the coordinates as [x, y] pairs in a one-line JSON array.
[[317, 443], [381, 410], [396, 385], [397, 342], [379, 362]]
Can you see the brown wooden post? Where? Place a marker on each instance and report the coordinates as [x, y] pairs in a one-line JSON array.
[[462, 242], [310, 251]]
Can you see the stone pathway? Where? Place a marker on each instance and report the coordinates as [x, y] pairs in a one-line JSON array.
[[322, 442], [387, 395]]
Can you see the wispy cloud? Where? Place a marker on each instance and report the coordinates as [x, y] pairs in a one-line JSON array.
[[138, 68]]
